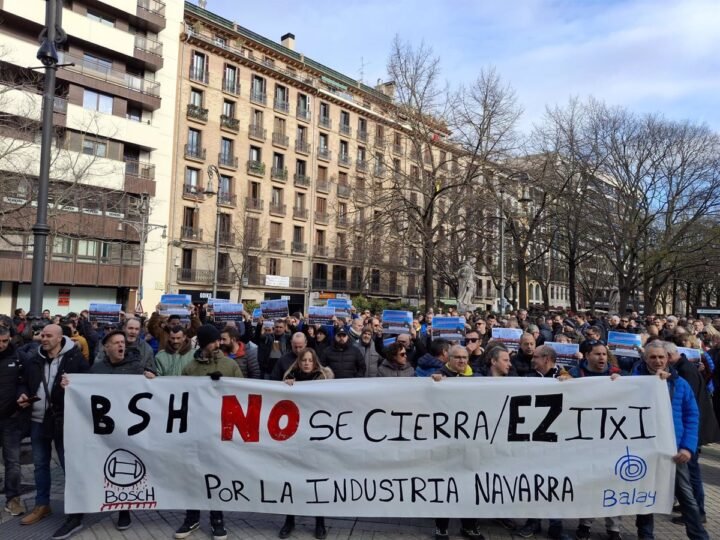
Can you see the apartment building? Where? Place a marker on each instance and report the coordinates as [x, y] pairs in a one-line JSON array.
[[112, 157], [294, 148]]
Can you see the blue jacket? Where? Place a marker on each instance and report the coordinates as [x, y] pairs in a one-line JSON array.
[[686, 416], [427, 365]]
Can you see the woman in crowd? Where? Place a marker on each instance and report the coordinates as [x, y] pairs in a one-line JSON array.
[[396, 362]]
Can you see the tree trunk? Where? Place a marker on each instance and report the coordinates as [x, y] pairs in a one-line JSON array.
[[624, 292], [521, 266], [688, 293], [546, 297], [428, 274], [572, 284]]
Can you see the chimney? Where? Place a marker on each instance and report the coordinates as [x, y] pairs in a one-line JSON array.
[[288, 40]]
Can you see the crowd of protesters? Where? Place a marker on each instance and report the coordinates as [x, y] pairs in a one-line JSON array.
[[37, 354]]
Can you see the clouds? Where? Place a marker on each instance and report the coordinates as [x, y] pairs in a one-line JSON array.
[[650, 55]]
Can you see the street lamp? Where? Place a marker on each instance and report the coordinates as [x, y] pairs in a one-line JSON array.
[[51, 36], [213, 171], [143, 229]]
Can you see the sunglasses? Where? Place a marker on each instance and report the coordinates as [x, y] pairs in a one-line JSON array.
[[594, 342], [472, 340]]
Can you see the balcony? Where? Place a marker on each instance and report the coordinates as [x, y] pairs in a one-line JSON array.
[[231, 86], [251, 203], [379, 171], [300, 213], [342, 252], [255, 279], [276, 244], [194, 275], [298, 282], [321, 251], [280, 139], [281, 105], [324, 153], [199, 74], [320, 283], [256, 168], [258, 97], [278, 209], [302, 147], [101, 72], [397, 149], [299, 247], [322, 217], [191, 191], [254, 241], [225, 198], [325, 122], [226, 238], [257, 132], [362, 135], [344, 191], [279, 173], [195, 152], [140, 177], [149, 51], [302, 114], [323, 186], [191, 233], [226, 122], [379, 141], [344, 160], [343, 221], [302, 180], [228, 161], [196, 112], [345, 129], [361, 165]]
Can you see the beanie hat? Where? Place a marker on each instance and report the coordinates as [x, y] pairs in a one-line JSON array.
[[206, 334]]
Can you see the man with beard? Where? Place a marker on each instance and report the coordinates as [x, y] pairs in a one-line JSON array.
[[234, 348], [178, 352], [346, 361], [366, 345], [595, 363], [135, 345]]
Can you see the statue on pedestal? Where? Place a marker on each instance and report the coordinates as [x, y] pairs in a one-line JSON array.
[[467, 286]]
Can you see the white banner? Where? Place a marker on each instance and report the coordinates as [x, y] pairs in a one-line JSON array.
[[458, 448]]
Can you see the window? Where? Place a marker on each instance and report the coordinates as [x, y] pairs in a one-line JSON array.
[[134, 113], [323, 142], [278, 161], [343, 178], [62, 248], [322, 174], [252, 228], [96, 63], [196, 97], [226, 150], [321, 204], [189, 215], [297, 269], [257, 117], [230, 79], [396, 166], [255, 154], [320, 238], [228, 109], [130, 254], [276, 196], [344, 150], [300, 201], [345, 119], [279, 126], [193, 140], [92, 147], [324, 111], [192, 177], [258, 89], [298, 234], [102, 19], [110, 253], [302, 134], [362, 126], [303, 105], [198, 67], [220, 41], [275, 230], [255, 190], [342, 210], [273, 266], [187, 258], [300, 167], [397, 139], [281, 95], [95, 101], [225, 187], [361, 154], [87, 249]]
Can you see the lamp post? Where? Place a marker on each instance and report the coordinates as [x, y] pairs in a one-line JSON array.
[[143, 229], [51, 35], [501, 291], [212, 171]]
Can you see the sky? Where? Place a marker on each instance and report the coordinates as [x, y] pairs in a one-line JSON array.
[[656, 56]]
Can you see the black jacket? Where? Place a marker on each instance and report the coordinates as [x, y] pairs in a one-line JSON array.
[[346, 363], [708, 429], [282, 365], [265, 345], [72, 361], [11, 382], [521, 362]]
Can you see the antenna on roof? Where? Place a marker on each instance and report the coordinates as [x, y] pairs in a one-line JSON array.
[[362, 68]]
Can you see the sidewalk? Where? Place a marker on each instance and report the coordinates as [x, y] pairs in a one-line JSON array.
[[162, 525]]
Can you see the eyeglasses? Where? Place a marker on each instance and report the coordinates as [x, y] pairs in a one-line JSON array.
[[460, 357], [594, 342], [472, 339]]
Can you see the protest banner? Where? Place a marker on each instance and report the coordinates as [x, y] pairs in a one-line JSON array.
[[104, 313], [623, 344], [321, 315], [228, 312], [566, 353], [479, 447], [396, 322], [212, 301], [449, 328], [274, 309], [176, 304], [510, 337], [342, 306]]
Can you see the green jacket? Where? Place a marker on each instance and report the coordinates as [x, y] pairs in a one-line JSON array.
[[172, 364], [202, 365]]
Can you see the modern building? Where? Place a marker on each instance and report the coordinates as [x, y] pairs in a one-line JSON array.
[[111, 174]]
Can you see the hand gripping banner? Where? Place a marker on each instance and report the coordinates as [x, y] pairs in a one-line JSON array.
[[371, 447]]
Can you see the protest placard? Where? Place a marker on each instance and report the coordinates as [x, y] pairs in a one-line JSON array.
[[256, 314], [691, 354], [396, 322], [176, 304], [321, 315], [228, 312], [566, 353], [212, 301], [510, 337], [342, 306], [274, 309], [104, 313], [479, 447], [448, 328], [623, 344]]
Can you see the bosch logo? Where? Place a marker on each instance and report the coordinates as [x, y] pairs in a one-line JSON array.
[[123, 468]]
